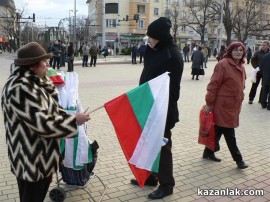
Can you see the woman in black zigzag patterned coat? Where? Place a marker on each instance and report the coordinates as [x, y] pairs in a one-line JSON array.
[[34, 122]]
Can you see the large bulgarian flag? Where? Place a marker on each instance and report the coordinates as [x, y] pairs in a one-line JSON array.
[[139, 118]]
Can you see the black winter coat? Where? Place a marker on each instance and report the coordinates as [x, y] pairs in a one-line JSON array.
[[265, 69], [165, 58]]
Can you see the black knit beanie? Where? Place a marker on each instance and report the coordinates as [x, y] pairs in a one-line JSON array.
[[160, 29]]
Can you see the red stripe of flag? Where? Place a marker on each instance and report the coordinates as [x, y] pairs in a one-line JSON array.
[[128, 131]]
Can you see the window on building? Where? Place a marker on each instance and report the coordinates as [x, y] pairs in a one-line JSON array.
[[184, 2], [156, 11], [141, 9], [141, 24], [156, 1], [111, 8], [183, 28], [111, 23]]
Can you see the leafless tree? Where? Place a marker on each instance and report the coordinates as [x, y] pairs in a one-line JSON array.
[[198, 15], [250, 19], [82, 29], [175, 15], [244, 18]]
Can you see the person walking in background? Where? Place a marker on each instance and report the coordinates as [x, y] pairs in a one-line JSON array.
[[215, 52], [29, 102], [70, 56], [134, 51], [163, 55], [56, 51], [105, 52], [63, 54], [197, 63], [186, 52], [93, 54], [249, 54], [85, 53], [221, 53], [224, 97], [265, 70], [141, 51], [209, 51], [50, 51], [256, 61], [205, 55]]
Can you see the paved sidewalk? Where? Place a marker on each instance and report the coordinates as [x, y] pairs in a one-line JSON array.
[[104, 82]]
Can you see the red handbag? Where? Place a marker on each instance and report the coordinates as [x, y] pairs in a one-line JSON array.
[[207, 135]]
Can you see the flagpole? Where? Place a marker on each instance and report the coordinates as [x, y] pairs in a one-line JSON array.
[[96, 109]]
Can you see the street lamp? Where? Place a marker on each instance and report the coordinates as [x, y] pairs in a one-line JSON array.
[[69, 23]]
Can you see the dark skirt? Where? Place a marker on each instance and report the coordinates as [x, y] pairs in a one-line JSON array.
[[195, 71]]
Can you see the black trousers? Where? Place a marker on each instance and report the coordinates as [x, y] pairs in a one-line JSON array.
[[56, 61], [93, 61], [229, 135], [254, 87], [133, 59], [165, 172], [265, 96], [186, 56], [141, 58], [70, 65], [85, 60], [33, 191]]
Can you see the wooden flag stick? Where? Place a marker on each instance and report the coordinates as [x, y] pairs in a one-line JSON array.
[[96, 109]]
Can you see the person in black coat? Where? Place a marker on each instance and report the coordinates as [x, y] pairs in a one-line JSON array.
[[162, 55], [256, 61], [134, 51], [249, 54], [197, 63], [265, 70]]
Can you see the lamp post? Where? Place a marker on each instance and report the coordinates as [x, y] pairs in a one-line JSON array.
[[69, 23]]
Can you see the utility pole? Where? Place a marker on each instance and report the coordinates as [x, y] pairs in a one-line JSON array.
[[69, 24], [18, 20], [103, 24]]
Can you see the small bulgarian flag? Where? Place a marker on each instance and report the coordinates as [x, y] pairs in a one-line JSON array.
[[56, 79], [139, 118]]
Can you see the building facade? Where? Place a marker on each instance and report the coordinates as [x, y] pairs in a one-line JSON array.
[[114, 23], [7, 12]]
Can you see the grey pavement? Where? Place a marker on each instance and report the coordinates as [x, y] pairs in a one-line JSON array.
[[108, 80]]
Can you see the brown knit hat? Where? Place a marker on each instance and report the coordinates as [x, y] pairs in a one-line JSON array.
[[31, 53]]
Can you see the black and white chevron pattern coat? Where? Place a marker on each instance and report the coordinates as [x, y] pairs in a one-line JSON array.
[[34, 122]]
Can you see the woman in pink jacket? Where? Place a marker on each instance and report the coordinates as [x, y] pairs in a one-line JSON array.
[[224, 98]]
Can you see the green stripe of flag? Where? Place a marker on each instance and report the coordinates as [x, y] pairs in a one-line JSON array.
[[51, 72], [145, 102]]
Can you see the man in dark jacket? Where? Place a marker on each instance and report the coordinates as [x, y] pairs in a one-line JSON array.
[[265, 70], [256, 61], [163, 55], [186, 52], [134, 51]]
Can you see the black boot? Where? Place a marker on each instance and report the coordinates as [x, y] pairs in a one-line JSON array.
[[151, 181], [209, 156], [241, 164]]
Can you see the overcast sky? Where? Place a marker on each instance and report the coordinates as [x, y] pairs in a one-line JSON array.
[[51, 11]]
